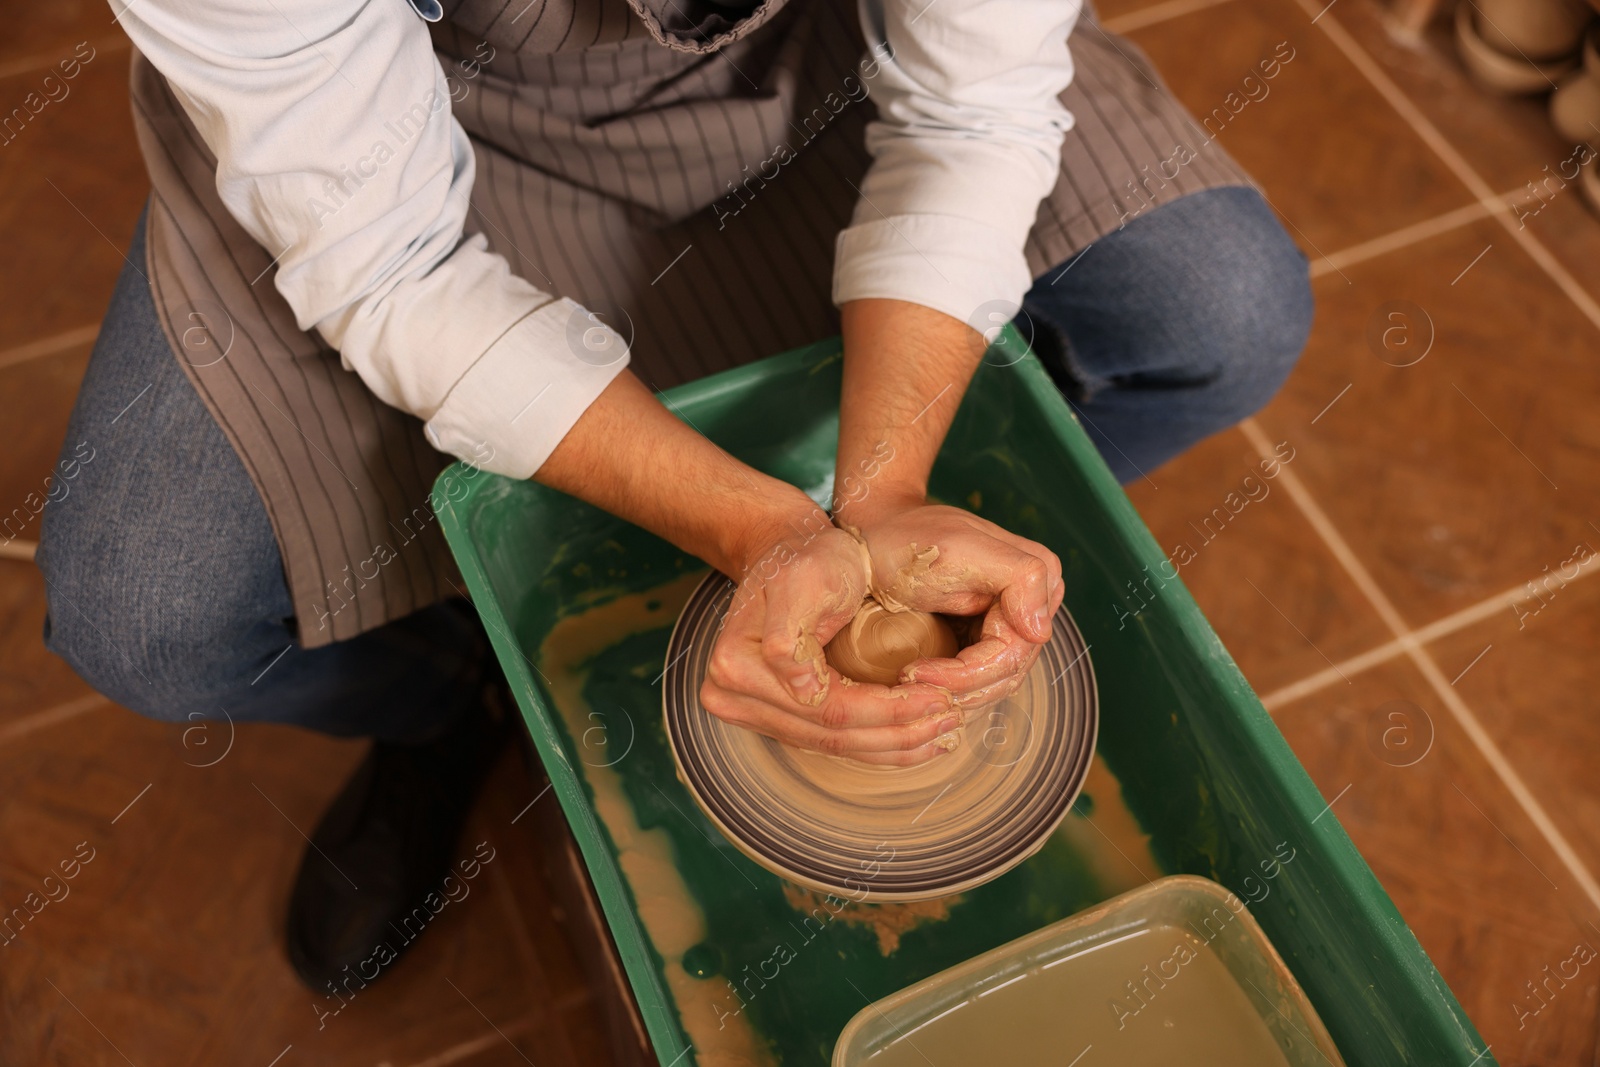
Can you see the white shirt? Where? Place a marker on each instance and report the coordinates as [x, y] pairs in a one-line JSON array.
[[286, 95]]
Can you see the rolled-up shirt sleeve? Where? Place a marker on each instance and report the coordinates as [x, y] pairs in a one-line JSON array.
[[966, 143], [337, 151]]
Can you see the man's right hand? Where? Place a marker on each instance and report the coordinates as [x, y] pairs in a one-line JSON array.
[[800, 579], [767, 670]]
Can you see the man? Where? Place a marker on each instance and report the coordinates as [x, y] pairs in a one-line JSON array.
[[359, 221]]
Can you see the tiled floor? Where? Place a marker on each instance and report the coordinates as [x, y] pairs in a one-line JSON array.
[[1386, 573], [1381, 585]]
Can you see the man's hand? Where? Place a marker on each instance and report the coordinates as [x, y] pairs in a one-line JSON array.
[[941, 559], [768, 673], [906, 368], [800, 579]]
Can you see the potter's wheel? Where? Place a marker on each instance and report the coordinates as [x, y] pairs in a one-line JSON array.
[[887, 833]]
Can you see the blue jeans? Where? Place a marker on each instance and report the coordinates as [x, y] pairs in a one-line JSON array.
[[165, 587], [167, 594], [1178, 325]]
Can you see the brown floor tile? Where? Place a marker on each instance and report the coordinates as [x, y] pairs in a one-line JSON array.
[[515, 1049], [1244, 569], [1335, 159], [35, 401], [170, 938], [71, 187], [47, 33], [1533, 691], [1468, 872], [586, 1035], [571, 1028], [32, 680], [1440, 474]]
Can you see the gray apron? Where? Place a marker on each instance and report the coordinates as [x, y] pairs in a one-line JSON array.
[[679, 167]]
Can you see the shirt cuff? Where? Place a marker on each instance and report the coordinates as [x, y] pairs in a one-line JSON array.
[[966, 269], [513, 406]]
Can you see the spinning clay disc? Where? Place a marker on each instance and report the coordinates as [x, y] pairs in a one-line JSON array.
[[887, 833], [878, 643]]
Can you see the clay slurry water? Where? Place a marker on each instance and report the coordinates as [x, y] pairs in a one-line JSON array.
[[1101, 1004]]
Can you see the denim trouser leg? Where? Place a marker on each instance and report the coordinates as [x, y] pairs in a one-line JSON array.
[[1178, 325], [165, 586]]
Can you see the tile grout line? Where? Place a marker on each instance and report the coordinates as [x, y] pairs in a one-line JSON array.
[[1430, 670], [1339, 672], [48, 346], [1430, 135], [51, 717], [1449, 624], [1406, 236], [1325, 529], [458, 1052], [1156, 14]]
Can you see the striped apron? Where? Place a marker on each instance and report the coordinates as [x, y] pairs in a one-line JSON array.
[[679, 167]]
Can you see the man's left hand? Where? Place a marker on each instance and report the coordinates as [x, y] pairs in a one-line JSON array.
[[931, 557]]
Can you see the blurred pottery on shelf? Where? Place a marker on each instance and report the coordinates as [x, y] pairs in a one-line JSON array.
[[1591, 50], [1575, 108], [1532, 29], [1498, 72]]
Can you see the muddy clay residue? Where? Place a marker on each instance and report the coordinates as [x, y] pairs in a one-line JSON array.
[[1103, 831], [667, 909], [888, 922]]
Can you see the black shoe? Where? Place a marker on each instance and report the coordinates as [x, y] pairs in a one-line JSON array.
[[385, 845]]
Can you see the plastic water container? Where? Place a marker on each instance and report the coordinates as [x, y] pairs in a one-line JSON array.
[[1177, 971]]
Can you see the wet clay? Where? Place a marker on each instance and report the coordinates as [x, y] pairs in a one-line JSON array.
[[1105, 833], [878, 643], [1155, 997], [671, 918], [887, 921]]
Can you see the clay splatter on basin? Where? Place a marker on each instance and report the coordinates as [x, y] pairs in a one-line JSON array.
[[752, 963]]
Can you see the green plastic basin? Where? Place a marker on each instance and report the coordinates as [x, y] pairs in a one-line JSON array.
[[1202, 769]]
